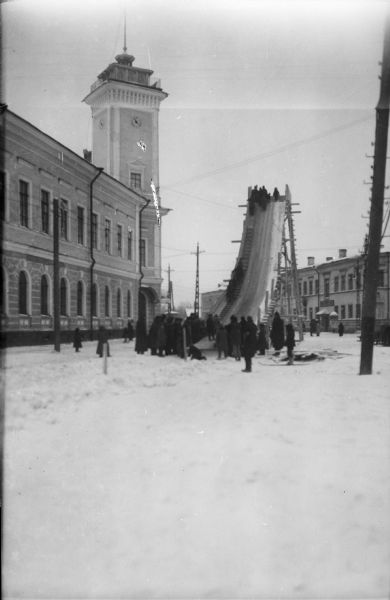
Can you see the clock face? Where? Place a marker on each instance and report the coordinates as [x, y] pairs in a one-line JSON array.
[[136, 122]]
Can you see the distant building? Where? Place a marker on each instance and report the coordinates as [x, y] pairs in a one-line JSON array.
[[332, 291], [209, 301], [110, 236]]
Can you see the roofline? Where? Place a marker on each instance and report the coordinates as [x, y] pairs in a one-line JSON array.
[[6, 109], [127, 83]]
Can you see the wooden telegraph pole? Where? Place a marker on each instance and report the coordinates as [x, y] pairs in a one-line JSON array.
[[376, 212]]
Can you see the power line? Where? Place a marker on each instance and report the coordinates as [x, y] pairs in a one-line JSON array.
[[274, 152]]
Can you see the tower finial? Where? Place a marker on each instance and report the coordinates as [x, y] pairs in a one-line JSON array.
[[124, 30]]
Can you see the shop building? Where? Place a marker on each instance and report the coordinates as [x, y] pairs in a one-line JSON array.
[[332, 291]]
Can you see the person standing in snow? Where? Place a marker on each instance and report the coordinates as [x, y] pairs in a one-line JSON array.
[[141, 339], [341, 329], [235, 337], [290, 343], [161, 336], [250, 344], [102, 339], [221, 341], [262, 343], [77, 340], [277, 333]]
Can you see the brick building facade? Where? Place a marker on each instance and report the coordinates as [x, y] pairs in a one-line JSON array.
[[109, 234]]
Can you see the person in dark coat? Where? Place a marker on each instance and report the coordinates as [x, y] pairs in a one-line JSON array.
[[77, 340], [102, 339], [152, 336], [277, 333], [161, 336], [250, 344], [221, 341], [235, 337], [313, 327], [130, 330], [141, 339], [262, 343], [290, 343], [210, 326], [341, 329]]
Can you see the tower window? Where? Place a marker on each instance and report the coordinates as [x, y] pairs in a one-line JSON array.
[[135, 180]]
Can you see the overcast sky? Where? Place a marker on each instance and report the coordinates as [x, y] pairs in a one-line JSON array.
[[267, 93]]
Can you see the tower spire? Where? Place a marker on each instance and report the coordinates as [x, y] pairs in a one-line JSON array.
[[124, 30]]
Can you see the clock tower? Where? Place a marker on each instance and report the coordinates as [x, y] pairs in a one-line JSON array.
[[125, 102]]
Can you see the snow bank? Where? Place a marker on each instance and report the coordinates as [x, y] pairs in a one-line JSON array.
[[181, 479]]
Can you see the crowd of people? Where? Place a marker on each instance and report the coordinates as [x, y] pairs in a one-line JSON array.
[[172, 335]]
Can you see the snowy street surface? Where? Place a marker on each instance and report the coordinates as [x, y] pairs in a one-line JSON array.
[[185, 480]]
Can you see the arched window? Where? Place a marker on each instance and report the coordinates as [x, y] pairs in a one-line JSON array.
[[80, 299], [128, 304], [63, 297], [94, 300], [23, 293], [107, 301], [118, 303], [44, 296]]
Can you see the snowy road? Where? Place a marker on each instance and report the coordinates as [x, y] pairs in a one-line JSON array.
[[173, 479]]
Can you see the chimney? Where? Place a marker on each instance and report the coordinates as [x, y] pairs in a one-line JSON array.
[[342, 252], [87, 155], [310, 261]]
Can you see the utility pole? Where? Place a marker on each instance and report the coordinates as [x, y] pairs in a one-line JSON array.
[[171, 305], [196, 303], [56, 278], [376, 212]]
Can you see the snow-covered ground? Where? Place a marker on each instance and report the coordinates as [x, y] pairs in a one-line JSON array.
[[177, 479]]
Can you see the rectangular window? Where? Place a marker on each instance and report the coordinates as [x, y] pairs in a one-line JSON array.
[[23, 200], [135, 180], [326, 287], [80, 225], [342, 283], [2, 195], [129, 245], [350, 311], [358, 311], [142, 253], [45, 211], [64, 219], [310, 287], [94, 230], [107, 236], [350, 281], [336, 283], [381, 279], [300, 288], [305, 288], [119, 239], [336, 309], [342, 308]]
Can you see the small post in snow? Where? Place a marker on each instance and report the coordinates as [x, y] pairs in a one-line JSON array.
[[105, 358], [184, 343]]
